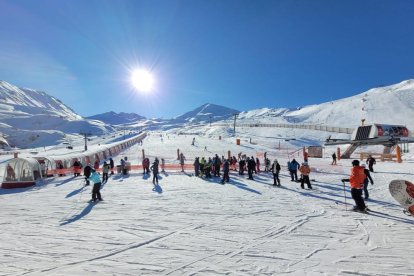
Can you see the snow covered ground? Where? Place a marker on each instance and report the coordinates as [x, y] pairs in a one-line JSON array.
[[191, 226]]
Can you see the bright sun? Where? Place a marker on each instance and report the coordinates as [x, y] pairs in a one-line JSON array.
[[142, 80]]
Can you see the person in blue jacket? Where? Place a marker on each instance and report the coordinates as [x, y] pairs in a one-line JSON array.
[[293, 167], [96, 179]]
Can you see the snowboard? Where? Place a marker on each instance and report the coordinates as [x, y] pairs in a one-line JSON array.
[[403, 192]]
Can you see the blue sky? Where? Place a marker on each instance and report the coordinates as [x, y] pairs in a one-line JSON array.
[[241, 54]]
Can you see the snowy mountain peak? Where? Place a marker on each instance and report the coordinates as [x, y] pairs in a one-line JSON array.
[[205, 113], [26, 100]]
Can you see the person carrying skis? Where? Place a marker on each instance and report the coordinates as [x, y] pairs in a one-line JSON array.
[[356, 180], [305, 171], [154, 169], [226, 170], [333, 159], [367, 177], [96, 194], [371, 161], [276, 169]]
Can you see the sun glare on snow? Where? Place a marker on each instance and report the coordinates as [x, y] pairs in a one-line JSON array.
[[142, 80]]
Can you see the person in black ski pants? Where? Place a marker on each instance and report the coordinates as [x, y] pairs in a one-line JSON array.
[[367, 177], [111, 164], [226, 170], [154, 169], [87, 173], [371, 161], [250, 167], [276, 169]]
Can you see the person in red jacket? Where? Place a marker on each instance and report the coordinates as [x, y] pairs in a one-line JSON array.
[[356, 181]]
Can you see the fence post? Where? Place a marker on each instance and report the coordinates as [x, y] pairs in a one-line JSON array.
[[398, 152]]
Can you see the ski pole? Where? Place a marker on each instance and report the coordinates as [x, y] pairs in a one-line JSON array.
[[346, 207]]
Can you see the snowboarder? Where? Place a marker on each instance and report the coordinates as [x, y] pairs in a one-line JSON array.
[[276, 170], [333, 159], [367, 177], [356, 181], [371, 161], [305, 171]]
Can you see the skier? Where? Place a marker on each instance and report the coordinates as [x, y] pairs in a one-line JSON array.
[[123, 166], [202, 166], [242, 165], [367, 177], [96, 165], [77, 166], [371, 161], [333, 159], [305, 171], [87, 173], [267, 165], [96, 194], [145, 165], [162, 165], [257, 165], [253, 164], [154, 169], [193, 141], [356, 181], [293, 167], [276, 169], [217, 165], [111, 164], [196, 166], [105, 170], [226, 170], [250, 168], [182, 159]]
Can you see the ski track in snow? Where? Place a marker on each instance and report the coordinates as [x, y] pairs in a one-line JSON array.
[[199, 227]]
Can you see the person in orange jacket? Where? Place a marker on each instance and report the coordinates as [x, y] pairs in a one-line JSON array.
[[305, 171], [356, 181]]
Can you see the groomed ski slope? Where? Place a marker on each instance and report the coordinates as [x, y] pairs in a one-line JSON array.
[[190, 226]]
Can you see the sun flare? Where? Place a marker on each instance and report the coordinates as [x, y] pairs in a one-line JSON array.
[[142, 80]]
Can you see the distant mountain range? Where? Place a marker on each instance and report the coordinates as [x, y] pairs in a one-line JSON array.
[[114, 118], [30, 118]]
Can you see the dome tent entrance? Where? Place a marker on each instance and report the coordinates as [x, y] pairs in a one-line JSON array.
[[21, 172]]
